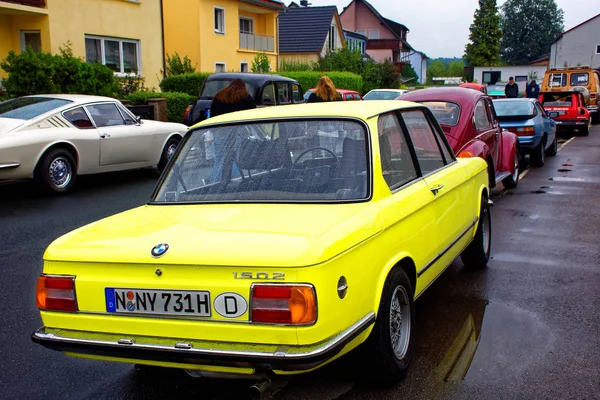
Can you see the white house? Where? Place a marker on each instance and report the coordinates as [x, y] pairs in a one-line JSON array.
[[522, 74], [578, 46], [418, 61]]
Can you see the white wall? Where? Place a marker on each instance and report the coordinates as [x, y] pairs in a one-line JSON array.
[[338, 40], [537, 71], [419, 64], [577, 47]]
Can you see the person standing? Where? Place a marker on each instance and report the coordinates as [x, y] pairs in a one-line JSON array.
[[325, 91], [533, 90], [512, 89], [234, 97]]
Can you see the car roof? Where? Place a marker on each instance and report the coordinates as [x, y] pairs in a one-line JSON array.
[[249, 77], [335, 109], [342, 91], [452, 94], [562, 92], [388, 90], [76, 98], [520, 99]]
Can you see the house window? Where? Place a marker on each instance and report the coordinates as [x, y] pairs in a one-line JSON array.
[[247, 25], [332, 37], [120, 55], [31, 38], [362, 32], [219, 20], [491, 77], [244, 67], [374, 34], [219, 67]]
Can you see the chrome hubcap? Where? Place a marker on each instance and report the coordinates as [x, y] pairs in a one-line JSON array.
[[400, 322], [485, 230], [60, 172], [516, 173], [171, 151]]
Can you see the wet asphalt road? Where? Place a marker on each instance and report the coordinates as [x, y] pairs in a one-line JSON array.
[[527, 327]]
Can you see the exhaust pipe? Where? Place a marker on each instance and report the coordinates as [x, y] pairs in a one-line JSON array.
[[256, 391]]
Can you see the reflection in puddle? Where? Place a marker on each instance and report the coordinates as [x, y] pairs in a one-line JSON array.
[[566, 179], [456, 361]]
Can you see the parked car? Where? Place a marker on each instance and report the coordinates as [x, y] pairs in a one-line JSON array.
[[581, 78], [265, 89], [475, 86], [347, 95], [530, 122], [568, 110], [384, 94], [468, 119], [54, 138], [295, 247], [497, 91]]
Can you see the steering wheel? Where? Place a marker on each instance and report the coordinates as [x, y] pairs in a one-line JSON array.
[[337, 160]]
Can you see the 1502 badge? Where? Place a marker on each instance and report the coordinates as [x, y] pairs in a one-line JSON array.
[[276, 276]]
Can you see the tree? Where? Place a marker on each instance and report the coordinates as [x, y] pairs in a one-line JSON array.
[[529, 28], [409, 74], [436, 69], [456, 68], [261, 63], [484, 46]]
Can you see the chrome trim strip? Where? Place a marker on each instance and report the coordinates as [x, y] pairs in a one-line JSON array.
[[279, 352], [441, 254], [501, 176], [10, 165]]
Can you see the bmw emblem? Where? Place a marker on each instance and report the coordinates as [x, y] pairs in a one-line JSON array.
[[159, 250]]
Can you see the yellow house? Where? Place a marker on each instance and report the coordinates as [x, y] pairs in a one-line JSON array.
[[125, 35], [222, 35]]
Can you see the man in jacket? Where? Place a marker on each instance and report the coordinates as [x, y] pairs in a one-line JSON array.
[[533, 90], [512, 89]]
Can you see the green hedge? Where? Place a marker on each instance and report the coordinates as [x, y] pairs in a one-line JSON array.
[[184, 83], [176, 102], [341, 80]]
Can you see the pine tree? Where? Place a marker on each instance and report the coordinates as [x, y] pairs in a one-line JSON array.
[[484, 46]]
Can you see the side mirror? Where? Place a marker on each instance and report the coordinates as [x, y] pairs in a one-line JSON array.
[[582, 111], [138, 120], [553, 114]]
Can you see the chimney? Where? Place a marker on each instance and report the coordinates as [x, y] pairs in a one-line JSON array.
[[304, 3]]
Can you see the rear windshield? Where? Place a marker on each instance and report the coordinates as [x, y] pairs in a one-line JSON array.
[[506, 108], [283, 161], [580, 78], [557, 80], [445, 112], [557, 99], [382, 95], [212, 87], [29, 107]]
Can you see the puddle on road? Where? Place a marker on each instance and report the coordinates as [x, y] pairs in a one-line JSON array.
[[565, 170], [565, 179]]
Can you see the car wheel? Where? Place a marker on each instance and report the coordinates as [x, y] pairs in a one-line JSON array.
[[512, 181], [538, 155], [56, 171], [595, 118], [477, 254], [168, 153], [388, 350], [586, 130], [553, 150]]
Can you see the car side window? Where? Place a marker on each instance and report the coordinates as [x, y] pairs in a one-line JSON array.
[[397, 164], [296, 95], [356, 96], [105, 114], [283, 93], [481, 116], [423, 138], [268, 95], [492, 112], [129, 120], [79, 118], [541, 110], [349, 97]]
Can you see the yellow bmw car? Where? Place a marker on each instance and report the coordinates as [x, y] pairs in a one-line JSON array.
[[277, 240]]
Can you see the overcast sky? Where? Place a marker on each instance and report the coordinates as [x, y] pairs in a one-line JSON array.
[[440, 28]]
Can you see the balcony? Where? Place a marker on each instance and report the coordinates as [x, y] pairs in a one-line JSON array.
[[23, 7], [251, 41], [32, 3]]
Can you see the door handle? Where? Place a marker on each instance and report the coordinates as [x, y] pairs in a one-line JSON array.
[[436, 189], [104, 135]]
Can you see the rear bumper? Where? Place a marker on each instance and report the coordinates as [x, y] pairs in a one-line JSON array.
[[528, 143], [570, 123], [240, 355]]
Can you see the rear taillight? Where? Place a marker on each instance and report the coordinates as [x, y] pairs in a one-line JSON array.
[[524, 131], [187, 111], [56, 293], [284, 304]]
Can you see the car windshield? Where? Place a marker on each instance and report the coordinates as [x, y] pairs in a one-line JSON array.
[[29, 107], [445, 112], [382, 95], [557, 99], [285, 162], [212, 87], [518, 108]]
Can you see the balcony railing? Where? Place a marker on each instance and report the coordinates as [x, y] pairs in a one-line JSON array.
[[252, 41], [33, 3]]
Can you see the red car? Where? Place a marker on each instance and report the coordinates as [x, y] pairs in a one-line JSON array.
[[469, 121], [476, 86], [568, 110], [347, 95]]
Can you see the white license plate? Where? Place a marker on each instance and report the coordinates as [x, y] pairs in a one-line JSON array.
[[158, 302]]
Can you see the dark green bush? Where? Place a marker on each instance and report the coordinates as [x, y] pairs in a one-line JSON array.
[[31, 73], [177, 66], [176, 102], [341, 80], [185, 83]]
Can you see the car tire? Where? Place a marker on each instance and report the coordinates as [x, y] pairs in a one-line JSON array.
[[168, 152], [553, 150], [384, 358], [512, 181], [538, 155], [56, 171], [595, 118], [477, 254], [585, 131]]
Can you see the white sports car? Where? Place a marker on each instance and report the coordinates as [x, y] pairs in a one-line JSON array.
[[54, 138]]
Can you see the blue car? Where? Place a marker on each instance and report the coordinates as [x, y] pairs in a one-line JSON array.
[[530, 122]]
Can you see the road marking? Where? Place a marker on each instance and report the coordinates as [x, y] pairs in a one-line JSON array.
[[566, 143], [523, 174]]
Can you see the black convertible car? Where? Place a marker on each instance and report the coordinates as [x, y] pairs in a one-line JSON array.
[[266, 89]]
